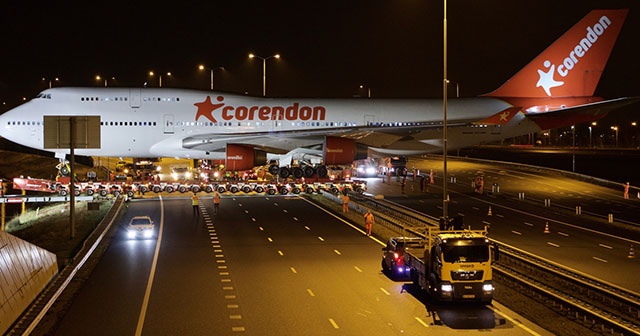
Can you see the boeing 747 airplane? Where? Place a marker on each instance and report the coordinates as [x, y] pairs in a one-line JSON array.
[[554, 90]]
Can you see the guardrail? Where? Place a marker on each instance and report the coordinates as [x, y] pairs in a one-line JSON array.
[[596, 302]]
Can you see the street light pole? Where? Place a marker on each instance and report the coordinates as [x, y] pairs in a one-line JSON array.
[[445, 198], [264, 70]]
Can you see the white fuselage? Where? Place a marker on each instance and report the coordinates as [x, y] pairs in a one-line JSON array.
[[145, 122]]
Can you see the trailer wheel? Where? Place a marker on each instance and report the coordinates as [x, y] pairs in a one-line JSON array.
[[284, 190], [273, 169], [182, 189], [76, 192], [221, 189], [335, 190], [233, 189], [143, 189], [208, 189], [90, 192], [295, 190], [130, 193], [359, 190], [103, 193], [246, 189], [307, 171], [259, 189], [62, 192], [157, 189], [64, 170], [195, 189], [297, 172], [284, 172], [309, 190], [271, 191], [322, 171], [168, 189]]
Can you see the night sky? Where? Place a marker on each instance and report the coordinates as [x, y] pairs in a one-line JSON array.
[[328, 48]]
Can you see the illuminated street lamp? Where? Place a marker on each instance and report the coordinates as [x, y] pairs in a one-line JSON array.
[[264, 70], [201, 67], [151, 74], [615, 128], [99, 78], [56, 79], [368, 90], [590, 131]]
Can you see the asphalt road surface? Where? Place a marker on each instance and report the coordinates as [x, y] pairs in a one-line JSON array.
[[262, 266]]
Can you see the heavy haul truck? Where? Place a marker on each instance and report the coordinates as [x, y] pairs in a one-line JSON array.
[[451, 265]]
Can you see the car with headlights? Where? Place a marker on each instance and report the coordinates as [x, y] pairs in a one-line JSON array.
[[140, 227]]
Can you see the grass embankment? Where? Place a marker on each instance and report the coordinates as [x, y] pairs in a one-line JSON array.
[[48, 226]]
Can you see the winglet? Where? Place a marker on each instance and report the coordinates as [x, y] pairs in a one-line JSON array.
[[573, 64], [501, 117]]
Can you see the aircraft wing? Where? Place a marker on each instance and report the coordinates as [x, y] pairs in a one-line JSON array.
[[283, 141], [581, 113]]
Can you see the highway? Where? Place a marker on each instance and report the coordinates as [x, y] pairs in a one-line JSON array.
[[262, 266], [587, 242]]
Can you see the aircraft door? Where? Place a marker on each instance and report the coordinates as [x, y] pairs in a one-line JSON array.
[[168, 124], [134, 98]]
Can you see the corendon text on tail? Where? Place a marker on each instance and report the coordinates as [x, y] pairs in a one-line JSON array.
[[292, 112]]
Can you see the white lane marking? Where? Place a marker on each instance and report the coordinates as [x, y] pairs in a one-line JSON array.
[[293, 270], [385, 291], [357, 269], [321, 239], [227, 288], [306, 227], [337, 252], [295, 219], [246, 211], [261, 228], [285, 210], [515, 322], [238, 329], [486, 223], [235, 317], [600, 259], [500, 215], [270, 240], [334, 324], [233, 306], [152, 273], [344, 221], [525, 223], [310, 292], [253, 219], [475, 208], [563, 234], [225, 280], [422, 322], [281, 253], [605, 246], [552, 244], [516, 232], [230, 297]]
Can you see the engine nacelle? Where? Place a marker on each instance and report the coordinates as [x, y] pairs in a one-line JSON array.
[[342, 151], [242, 157]]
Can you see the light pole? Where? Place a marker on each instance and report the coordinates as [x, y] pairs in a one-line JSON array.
[[445, 198], [368, 90], [50, 80], [151, 74], [615, 128], [264, 70], [201, 67], [99, 78]]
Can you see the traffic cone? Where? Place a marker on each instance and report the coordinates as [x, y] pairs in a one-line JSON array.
[[631, 253], [546, 228], [489, 213]]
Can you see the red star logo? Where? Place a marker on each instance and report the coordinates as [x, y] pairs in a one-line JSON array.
[[206, 108]]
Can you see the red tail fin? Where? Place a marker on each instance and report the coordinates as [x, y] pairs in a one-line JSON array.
[[572, 65]]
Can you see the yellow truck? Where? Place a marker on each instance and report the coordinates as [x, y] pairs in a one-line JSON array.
[[451, 265]]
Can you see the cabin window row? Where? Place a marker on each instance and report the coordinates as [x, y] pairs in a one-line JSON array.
[[24, 123], [128, 123], [161, 99], [94, 99]]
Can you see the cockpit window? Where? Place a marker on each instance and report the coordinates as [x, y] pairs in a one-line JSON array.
[[43, 95]]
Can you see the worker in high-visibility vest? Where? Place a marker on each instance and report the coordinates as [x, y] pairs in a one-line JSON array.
[[216, 201], [194, 203], [368, 222]]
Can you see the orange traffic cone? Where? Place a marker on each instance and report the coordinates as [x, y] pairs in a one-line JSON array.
[[631, 253], [546, 228], [489, 213]]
